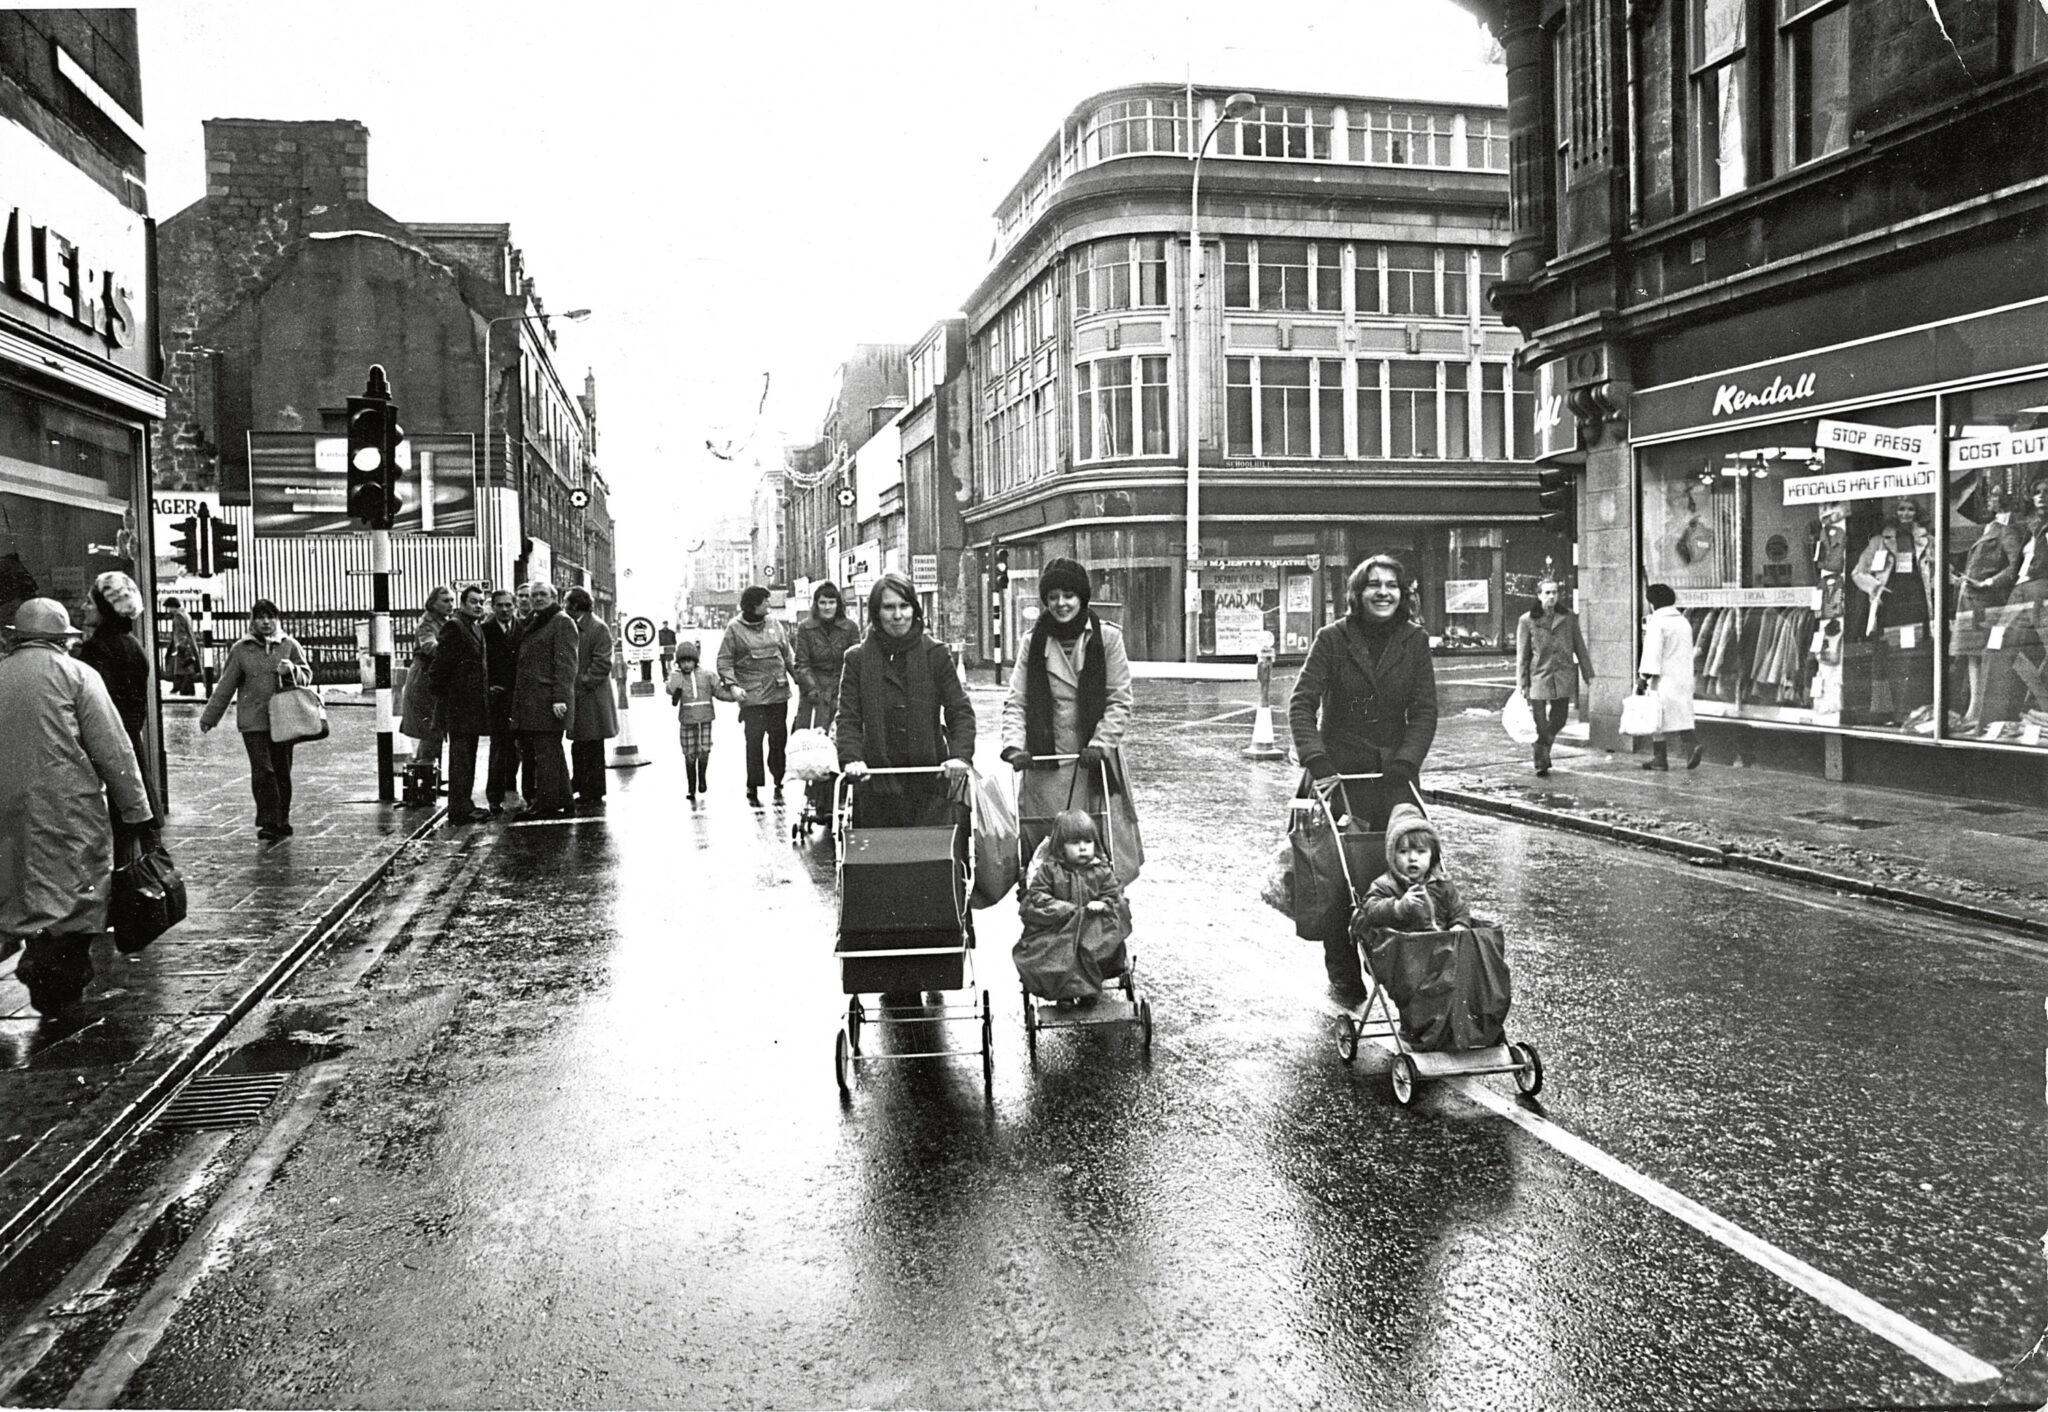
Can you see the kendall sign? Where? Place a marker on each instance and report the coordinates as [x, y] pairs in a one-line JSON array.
[[1731, 398]]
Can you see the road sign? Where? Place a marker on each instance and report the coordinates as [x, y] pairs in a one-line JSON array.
[[924, 571], [578, 498], [845, 495], [639, 632]]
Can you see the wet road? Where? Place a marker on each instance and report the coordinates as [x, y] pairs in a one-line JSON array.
[[584, 1148]]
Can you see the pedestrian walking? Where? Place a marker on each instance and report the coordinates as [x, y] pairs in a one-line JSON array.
[[111, 650], [1365, 703], [823, 639], [596, 717], [417, 712], [544, 701], [181, 658], [754, 662], [691, 689], [1070, 694], [901, 705], [1550, 657], [66, 765], [256, 667], [501, 645], [1666, 670], [666, 641], [462, 700]]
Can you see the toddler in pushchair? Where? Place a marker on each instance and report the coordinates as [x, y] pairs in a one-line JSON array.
[[1076, 919], [1414, 894]]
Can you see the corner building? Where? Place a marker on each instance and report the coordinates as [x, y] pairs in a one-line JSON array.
[[1354, 395], [1784, 277]]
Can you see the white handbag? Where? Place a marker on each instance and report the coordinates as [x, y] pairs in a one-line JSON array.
[[297, 714], [1642, 714], [1518, 720], [810, 754]]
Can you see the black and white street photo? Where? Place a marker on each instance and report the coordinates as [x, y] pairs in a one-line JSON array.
[[1024, 706]]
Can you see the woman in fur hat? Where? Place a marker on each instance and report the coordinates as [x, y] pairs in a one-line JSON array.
[[1070, 694]]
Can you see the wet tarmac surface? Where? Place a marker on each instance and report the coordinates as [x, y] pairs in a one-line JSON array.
[[588, 1149]]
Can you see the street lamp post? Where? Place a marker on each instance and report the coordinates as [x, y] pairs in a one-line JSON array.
[[492, 523], [1235, 103]]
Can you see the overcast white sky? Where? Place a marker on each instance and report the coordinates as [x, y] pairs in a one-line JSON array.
[[736, 188]]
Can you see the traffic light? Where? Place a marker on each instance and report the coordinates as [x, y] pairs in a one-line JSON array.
[[999, 576], [1554, 493], [227, 545], [188, 545], [373, 438]]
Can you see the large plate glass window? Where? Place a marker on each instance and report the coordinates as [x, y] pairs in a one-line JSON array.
[[67, 480], [1998, 559]]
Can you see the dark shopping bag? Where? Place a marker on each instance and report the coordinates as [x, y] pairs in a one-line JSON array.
[[1451, 987], [1322, 897], [148, 895]]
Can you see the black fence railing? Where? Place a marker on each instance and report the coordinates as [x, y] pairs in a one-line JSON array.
[[329, 640]]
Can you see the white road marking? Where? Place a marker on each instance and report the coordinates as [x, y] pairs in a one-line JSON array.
[[1245, 710], [1936, 1352], [554, 823]]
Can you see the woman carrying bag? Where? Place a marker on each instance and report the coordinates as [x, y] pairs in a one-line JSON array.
[[258, 667], [1070, 694]]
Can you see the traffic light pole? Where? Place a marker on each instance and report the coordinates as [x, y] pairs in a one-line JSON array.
[[380, 654]]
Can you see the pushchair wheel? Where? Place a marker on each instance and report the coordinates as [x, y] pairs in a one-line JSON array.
[[1347, 1039], [1529, 1074], [842, 1062], [854, 1014], [988, 1047], [1145, 1028], [1405, 1079], [1030, 1025]]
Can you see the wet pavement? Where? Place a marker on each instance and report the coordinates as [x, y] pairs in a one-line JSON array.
[[585, 1149]]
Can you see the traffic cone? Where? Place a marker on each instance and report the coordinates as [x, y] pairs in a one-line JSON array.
[[620, 751], [1263, 746]]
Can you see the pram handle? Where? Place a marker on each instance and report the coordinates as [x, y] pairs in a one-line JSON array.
[[898, 770]]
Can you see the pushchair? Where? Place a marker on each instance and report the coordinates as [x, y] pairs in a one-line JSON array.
[[1135, 1008], [904, 923], [1419, 979]]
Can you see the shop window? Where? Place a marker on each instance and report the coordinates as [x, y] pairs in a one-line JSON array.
[[1997, 649], [1717, 45], [1371, 417]]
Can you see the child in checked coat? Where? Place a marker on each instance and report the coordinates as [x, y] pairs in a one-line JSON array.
[[691, 689]]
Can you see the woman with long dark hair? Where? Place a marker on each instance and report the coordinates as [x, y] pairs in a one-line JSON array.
[[1365, 703], [900, 705]]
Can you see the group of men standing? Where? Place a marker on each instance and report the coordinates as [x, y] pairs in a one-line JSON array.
[[525, 670]]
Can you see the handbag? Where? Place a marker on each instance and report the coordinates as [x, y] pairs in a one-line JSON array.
[[1518, 720], [296, 714], [148, 895], [1641, 714]]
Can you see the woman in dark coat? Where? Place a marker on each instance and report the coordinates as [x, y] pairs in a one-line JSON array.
[[462, 701], [1365, 703], [822, 641], [901, 704], [112, 651]]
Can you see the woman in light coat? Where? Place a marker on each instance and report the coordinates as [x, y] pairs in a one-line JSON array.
[[64, 759], [257, 666], [1070, 694], [1666, 672]]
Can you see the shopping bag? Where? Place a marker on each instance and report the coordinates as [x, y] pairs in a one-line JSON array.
[[1451, 987], [1320, 896], [810, 755], [1641, 714], [994, 800], [1126, 844], [148, 894], [1518, 720], [1277, 891], [296, 714]]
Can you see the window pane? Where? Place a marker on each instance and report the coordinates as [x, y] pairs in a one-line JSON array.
[[1330, 408], [1283, 274], [1084, 412], [1493, 410], [1411, 279], [1113, 277], [1153, 413], [1719, 167], [1328, 274], [1238, 407], [1412, 410], [1370, 443], [1822, 79], [1283, 407], [1113, 406], [1152, 273], [1365, 280], [1237, 274], [1455, 301], [1717, 30], [1524, 417], [1457, 430]]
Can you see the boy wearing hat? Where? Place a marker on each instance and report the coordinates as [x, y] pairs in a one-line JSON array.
[[754, 663]]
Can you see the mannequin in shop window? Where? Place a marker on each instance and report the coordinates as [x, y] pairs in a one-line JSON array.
[[1896, 574], [2015, 668], [1986, 580]]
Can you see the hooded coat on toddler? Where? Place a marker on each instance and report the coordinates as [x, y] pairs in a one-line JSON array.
[[1388, 904], [1066, 951]]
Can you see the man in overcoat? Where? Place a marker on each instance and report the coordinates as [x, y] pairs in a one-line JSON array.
[[544, 700], [595, 719], [462, 700], [501, 646]]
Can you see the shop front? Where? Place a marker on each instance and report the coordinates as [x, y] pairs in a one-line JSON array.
[[1859, 536], [78, 396]]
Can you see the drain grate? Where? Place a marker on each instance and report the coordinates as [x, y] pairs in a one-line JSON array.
[[221, 1101]]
